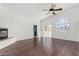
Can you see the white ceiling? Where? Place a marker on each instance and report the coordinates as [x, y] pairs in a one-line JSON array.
[[34, 10]]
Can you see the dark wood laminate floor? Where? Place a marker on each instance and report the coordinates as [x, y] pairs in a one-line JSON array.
[[42, 47]]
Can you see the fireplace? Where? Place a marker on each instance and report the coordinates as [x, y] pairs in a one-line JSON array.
[[3, 33]]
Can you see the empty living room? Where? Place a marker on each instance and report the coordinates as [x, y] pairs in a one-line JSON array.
[[39, 29]]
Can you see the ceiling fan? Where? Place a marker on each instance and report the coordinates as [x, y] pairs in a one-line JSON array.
[[52, 9]]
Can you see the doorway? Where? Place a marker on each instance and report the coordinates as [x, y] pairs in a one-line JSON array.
[[47, 31]]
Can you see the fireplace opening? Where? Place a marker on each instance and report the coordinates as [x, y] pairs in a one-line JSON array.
[[3, 33]]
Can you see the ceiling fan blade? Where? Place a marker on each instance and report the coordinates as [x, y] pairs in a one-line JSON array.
[[45, 10], [53, 5], [58, 9]]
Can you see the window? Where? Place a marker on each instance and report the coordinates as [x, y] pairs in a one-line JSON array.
[[63, 25]]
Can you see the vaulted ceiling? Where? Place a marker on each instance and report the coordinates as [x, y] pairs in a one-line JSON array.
[[34, 10]]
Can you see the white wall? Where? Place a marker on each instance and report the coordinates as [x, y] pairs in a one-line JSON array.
[[18, 25], [72, 15]]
